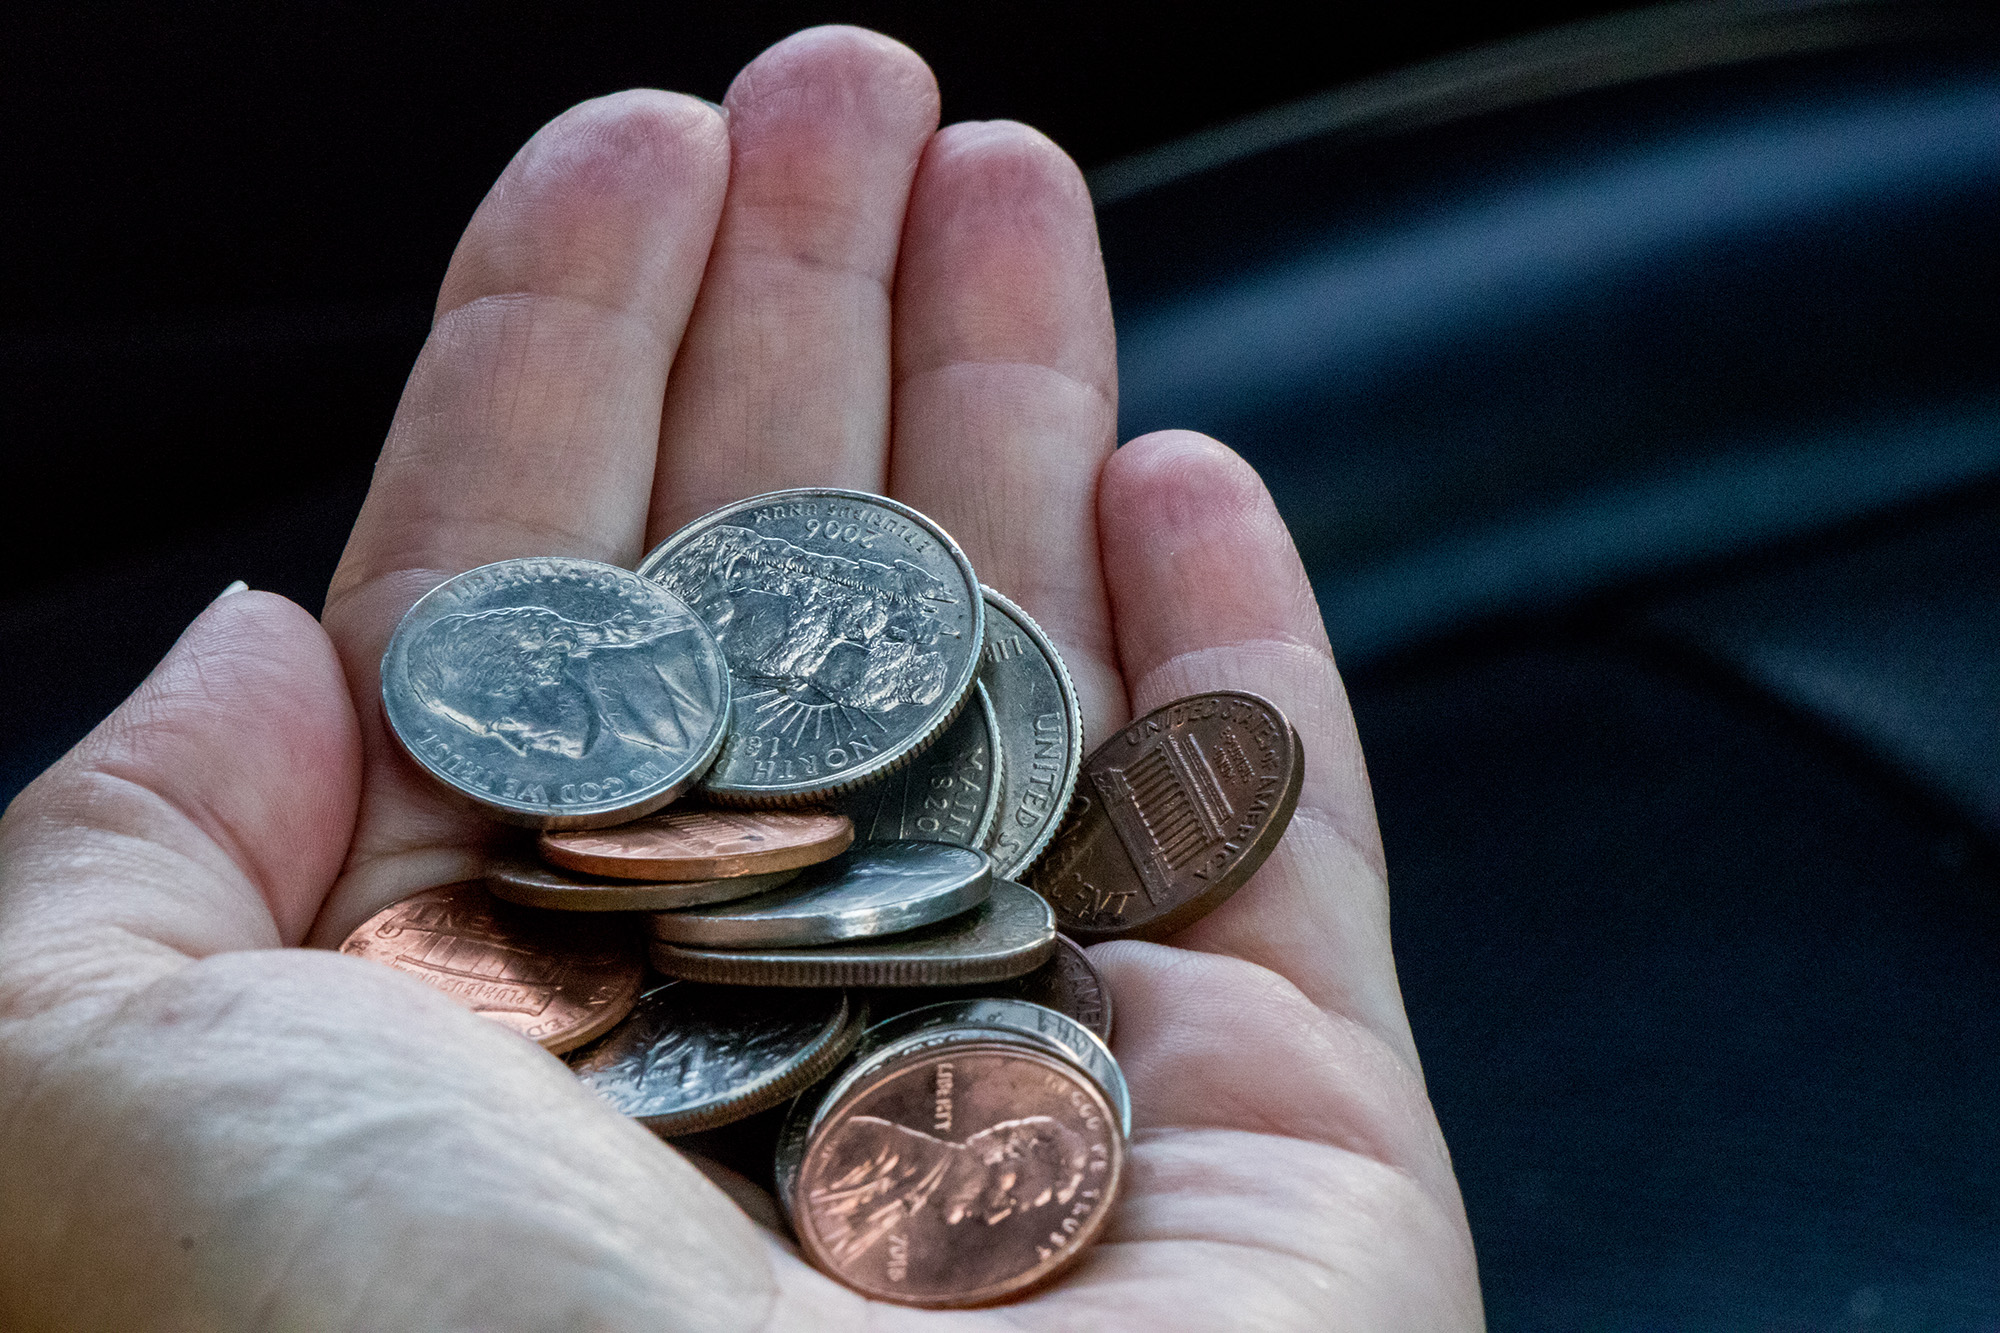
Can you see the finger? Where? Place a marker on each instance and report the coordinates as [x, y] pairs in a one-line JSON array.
[[1006, 381], [208, 813], [784, 376], [1207, 593], [530, 424]]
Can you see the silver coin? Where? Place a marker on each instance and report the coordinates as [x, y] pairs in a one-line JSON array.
[[1068, 983], [557, 693], [535, 884], [691, 1057], [1041, 734], [950, 794], [871, 889], [1012, 932], [853, 627]]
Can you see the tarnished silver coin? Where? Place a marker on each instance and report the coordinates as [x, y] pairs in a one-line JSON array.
[[1068, 983], [532, 883], [1058, 1032], [852, 625], [691, 1057], [1012, 932], [557, 693], [950, 794], [871, 889], [1040, 726]]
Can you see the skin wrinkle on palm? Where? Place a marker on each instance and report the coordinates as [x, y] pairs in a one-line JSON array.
[[343, 1146]]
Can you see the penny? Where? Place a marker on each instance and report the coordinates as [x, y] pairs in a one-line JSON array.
[[852, 625], [1057, 1032], [557, 980], [1012, 932], [1040, 725], [1174, 813], [959, 1175], [1068, 983], [699, 843], [557, 693], [691, 1057], [950, 794], [532, 884], [872, 889]]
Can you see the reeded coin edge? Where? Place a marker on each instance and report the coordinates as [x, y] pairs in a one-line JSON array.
[[1074, 769], [603, 814], [748, 797], [835, 1044], [716, 968], [1036, 1276]]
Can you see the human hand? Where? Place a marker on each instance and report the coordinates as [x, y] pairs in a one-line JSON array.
[[655, 311]]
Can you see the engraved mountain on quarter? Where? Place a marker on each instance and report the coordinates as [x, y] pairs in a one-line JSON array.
[[857, 634]]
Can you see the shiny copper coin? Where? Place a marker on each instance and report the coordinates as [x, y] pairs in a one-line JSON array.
[[557, 980], [1173, 814], [962, 1173], [533, 884], [703, 844]]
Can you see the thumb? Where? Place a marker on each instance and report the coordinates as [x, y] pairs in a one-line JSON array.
[[208, 813]]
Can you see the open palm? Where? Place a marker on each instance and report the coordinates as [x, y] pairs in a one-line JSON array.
[[660, 308]]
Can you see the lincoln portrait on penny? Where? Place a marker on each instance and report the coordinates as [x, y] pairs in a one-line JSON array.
[[882, 1176]]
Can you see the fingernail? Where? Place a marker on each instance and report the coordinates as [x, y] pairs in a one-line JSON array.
[[238, 586]]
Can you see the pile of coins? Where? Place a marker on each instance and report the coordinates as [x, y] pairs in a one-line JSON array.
[[813, 835]]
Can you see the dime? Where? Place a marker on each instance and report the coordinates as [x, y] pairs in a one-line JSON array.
[[1068, 983], [558, 980], [532, 884], [874, 888], [1010, 933], [691, 1057], [951, 794], [1041, 734], [852, 625], [1176, 811], [703, 844], [557, 693], [958, 1174]]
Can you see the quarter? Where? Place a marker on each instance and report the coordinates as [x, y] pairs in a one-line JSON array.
[[1068, 983], [557, 693], [692, 1057], [559, 980], [1012, 932], [950, 794], [852, 626], [1040, 726], [872, 889]]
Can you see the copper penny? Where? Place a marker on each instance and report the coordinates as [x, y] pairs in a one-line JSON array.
[[557, 979], [959, 1173], [530, 883], [703, 844], [1173, 814]]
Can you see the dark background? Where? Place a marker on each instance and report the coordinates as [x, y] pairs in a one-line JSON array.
[[1630, 387]]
